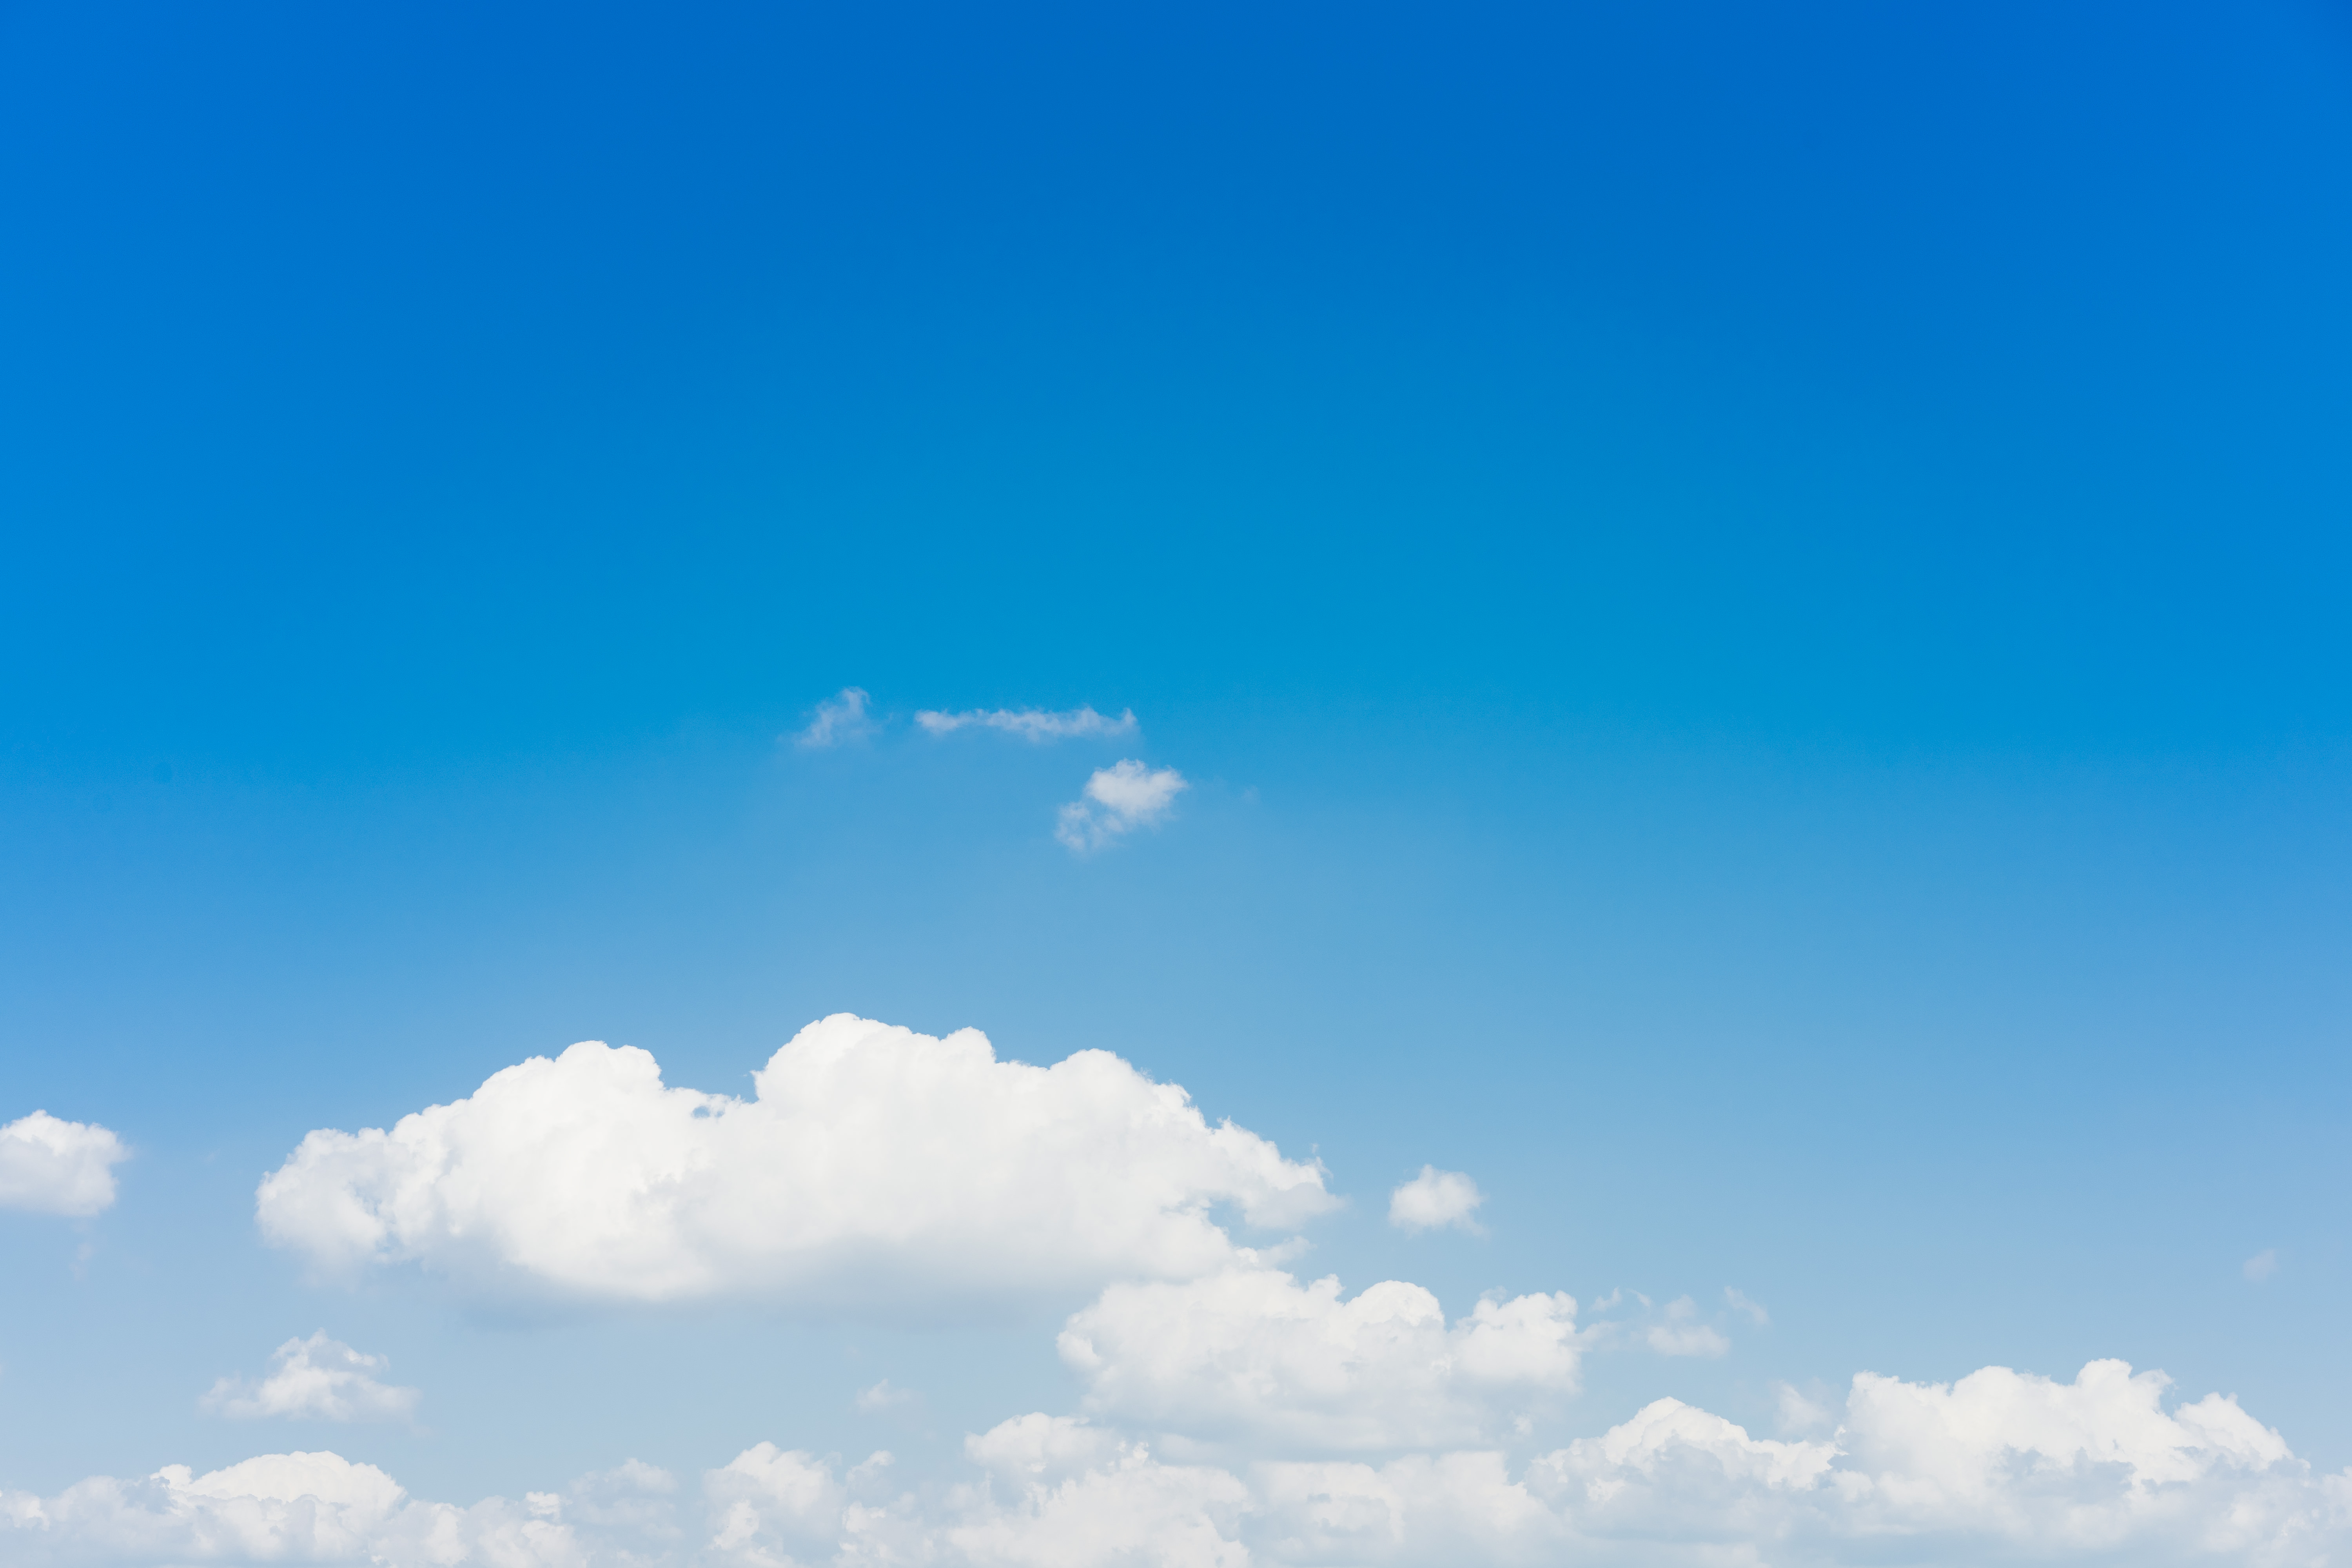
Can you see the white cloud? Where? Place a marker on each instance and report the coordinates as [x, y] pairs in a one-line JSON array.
[[876, 1168], [1032, 724], [1799, 1412], [1999, 1466], [1118, 799], [316, 1379], [882, 1397], [1739, 1302], [838, 720], [1252, 1355], [2262, 1264], [1683, 1334], [49, 1166], [1436, 1198]]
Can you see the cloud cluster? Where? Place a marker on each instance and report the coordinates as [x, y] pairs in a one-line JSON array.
[[1032, 724], [1999, 1466], [52, 1166], [875, 1168], [1118, 800], [1251, 1354], [1435, 1199], [317, 1379]]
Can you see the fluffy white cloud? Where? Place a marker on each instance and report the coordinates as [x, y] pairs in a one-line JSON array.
[[876, 1167], [1433, 1199], [317, 1379], [1118, 799], [1997, 1466], [1032, 724], [50, 1166], [838, 720], [1999, 1463], [1251, 1355]]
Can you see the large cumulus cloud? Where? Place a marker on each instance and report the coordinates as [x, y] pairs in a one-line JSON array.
[[1999, 1467], [874, 1168]]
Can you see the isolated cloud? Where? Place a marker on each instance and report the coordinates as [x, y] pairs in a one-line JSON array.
[[2261, 1266], [49, 1166], [1435, 1198], [1683, 1334], [1999, 1467], [1250, 1354], [317, 1379], [876, 1167], [1739, 1302], [1034, 724], [838, 720], [1118, 799]]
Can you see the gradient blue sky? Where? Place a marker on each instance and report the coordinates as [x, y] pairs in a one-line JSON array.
[[1754, 600]]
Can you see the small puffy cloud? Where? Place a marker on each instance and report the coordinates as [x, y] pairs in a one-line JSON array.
[[1436, 1198], [1118, 799], [882, 1397], [317, 1379], [1753, 1311], [1032, 724], [1250, 1354], [875, 1168], [1683, 1334], [2262, 1264], [51, 1166], [839, 719]]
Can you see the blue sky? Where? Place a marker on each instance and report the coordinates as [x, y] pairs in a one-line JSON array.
[[1749, 605]]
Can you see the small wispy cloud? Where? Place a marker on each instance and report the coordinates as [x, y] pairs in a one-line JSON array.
[[2262, 1264], [1800, 1414], [882, 1397], [1740, 1301], [1118, 799], [836, 719], [1436, 1198], [316, 1379], [1683, 1334], [1032, 724]]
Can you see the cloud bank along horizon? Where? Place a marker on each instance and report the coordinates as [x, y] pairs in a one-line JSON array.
[[1230, 1413]]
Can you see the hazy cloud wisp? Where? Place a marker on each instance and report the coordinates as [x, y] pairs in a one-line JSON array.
[[1032, 724]]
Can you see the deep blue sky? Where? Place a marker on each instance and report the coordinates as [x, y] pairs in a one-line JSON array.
[[1754, 598]]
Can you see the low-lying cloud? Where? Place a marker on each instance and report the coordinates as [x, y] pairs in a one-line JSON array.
[[1999, 1466], [1250, 1355]]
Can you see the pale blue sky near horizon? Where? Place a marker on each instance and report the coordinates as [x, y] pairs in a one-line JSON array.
[[1752, 608]]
